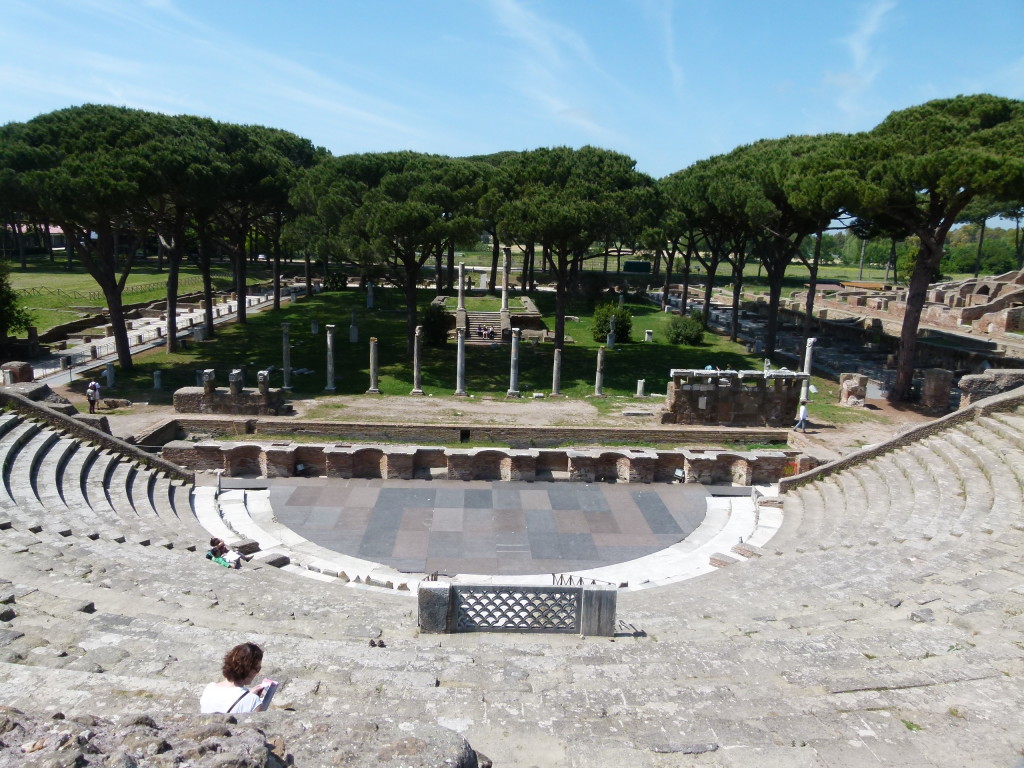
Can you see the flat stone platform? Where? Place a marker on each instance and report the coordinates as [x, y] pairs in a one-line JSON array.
[[499, 528]]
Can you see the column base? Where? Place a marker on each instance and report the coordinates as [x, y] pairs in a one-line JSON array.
[[460, 394], [373, 391], [417, 393], [330, 389], [511, 394]]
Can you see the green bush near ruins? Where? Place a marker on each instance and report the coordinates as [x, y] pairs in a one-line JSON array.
[[257, 346]]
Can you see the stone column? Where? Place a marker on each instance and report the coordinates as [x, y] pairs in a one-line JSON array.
[[460, 363], [286, 355], [504, 280], [369, 295], [462, 287], [805, 388], [374, 388], [157, 379], [417, 358], [353, 330], [109, 373], [640, 387], [314, 326], [330, 359], [556, 375], [611, 332], [513, 379], [235, 381], [599, 377]]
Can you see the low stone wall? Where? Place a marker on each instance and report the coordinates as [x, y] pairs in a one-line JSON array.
[[994, 381], [248, 402], [734, 398], [515, 436], [400, 462]]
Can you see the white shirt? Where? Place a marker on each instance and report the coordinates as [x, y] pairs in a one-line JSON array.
[[803, 412], [217, 699]]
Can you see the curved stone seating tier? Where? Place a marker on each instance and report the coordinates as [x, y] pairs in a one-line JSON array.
[[837, 644]]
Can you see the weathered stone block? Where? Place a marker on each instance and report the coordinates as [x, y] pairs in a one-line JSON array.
[[433, 600]]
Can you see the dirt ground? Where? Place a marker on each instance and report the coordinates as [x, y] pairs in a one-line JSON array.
[[881, 422]]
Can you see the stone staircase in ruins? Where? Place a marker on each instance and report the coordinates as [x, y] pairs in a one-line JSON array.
[[881, 626]]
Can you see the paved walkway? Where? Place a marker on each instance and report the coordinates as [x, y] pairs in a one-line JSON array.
[[499, 528]]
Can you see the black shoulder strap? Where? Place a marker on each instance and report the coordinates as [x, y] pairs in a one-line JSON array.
[[244, 694]]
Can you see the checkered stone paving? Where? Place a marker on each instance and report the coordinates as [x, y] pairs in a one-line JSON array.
[[499, 528]]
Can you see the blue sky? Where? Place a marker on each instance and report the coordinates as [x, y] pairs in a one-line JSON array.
[[667, 83]]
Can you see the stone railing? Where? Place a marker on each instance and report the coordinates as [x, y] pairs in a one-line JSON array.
[[88, 433], [446, 608]]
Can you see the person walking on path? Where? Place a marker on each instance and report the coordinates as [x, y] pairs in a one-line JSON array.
[[92, 394], [801, 422]]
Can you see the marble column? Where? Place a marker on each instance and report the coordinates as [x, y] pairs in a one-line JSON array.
[[504, 281], [611, 332], [330, 359], [460, 364], [462, 287], [286, 355], [108, 371], [353, 330], [599, 377], [417, 359], [369, 295], [513, 378], [374, 361], [556, 375], [640, 383]]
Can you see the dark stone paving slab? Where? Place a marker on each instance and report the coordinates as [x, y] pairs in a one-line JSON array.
[[497, 528]]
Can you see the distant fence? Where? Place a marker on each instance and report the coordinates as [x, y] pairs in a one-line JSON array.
[[98, 297]]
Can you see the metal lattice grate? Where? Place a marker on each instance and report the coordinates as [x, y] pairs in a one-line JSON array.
[[515, 609]]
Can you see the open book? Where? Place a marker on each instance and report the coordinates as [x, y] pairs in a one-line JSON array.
[[267, 695]]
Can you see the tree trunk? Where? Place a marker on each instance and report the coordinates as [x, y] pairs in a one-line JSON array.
[[809, 306], [309, 276], [684, 304], [928, 258], [439, 277], [19, 238], [531, 250], [276, 267], [48, 240], [981, 242], [411, 316], [204, 270], [450, 281], [241, 265], [737, 295], [495, 255], [670, 258], [173, 266]]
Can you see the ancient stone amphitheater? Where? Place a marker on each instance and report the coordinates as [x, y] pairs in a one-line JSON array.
[[880, 626]]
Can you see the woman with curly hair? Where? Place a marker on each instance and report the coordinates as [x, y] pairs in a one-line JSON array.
[[232, 694]]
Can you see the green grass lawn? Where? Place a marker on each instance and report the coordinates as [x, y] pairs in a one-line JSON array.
[[257, 345]]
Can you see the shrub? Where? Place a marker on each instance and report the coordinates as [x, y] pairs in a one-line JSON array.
[[603, 315], [435, 323], [686, 329]]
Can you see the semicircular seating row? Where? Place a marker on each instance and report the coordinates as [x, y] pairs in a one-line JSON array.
[[893, 593]]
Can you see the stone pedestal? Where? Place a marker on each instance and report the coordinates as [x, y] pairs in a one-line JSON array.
[[209, 381], [236, 381], [853, 388], [937, 384]]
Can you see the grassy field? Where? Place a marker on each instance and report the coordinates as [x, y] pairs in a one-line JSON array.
[[257, 345], [52, 292]]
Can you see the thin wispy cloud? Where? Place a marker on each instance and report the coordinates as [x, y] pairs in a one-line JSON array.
[[553, 57], [866, 63], [662, 18]]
